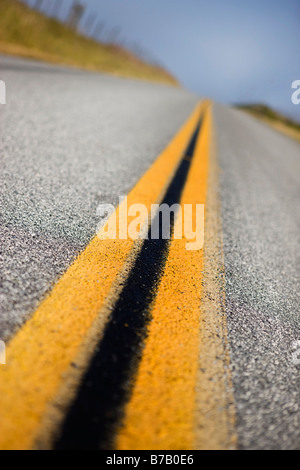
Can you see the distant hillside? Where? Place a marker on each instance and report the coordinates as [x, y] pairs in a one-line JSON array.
[[274, 118], [27, 33]]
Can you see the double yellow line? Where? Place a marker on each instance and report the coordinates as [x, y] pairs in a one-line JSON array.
[[47, 357], [171, 405]]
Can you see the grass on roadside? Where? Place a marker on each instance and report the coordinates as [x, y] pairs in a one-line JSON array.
[[25, 32], [273, 118]]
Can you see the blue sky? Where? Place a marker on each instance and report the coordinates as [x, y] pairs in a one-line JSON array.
[[229, 50]]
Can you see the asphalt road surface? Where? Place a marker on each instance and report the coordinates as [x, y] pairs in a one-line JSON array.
[[71, 140], [261, 215], [61, 158]]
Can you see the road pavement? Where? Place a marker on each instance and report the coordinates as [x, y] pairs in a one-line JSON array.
[[71, 140]]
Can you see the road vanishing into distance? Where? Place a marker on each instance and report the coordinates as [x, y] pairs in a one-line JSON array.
[[144, 344]]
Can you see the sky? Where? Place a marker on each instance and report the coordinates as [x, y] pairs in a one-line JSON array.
[[229, 50]]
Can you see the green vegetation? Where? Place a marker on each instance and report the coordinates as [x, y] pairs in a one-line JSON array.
[[273, 118], [25, 32]]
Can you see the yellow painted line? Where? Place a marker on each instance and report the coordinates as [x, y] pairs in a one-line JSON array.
[[40, 356], [215, 411], [163, 411]]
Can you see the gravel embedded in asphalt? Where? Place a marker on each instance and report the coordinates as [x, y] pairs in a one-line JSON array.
[[260, 193], [69, 140]]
